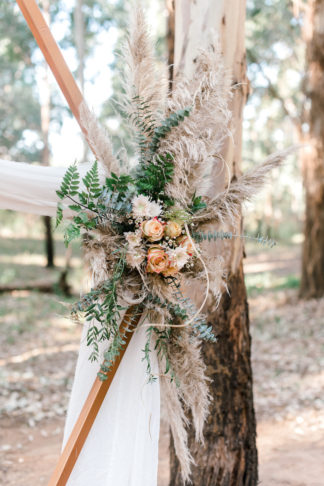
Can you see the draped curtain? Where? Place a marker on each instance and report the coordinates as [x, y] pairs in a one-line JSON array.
[[122, 446]]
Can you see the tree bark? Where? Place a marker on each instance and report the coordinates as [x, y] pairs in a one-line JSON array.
[[45, 122], [79, 38], [229, 455], [312, 282], [170, 38]]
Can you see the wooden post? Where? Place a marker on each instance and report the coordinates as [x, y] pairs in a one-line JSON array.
[[91, 408], [74, 97]]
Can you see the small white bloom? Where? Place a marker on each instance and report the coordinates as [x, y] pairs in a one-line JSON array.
[[179, 256], [144, 208], [154, 209], [133, 238], [140, 206], [134, 257]]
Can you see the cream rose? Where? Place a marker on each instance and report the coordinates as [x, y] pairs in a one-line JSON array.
[[157, 260], [178, 257], [173, 229], [152, 229], [171, 269], [185, 243]]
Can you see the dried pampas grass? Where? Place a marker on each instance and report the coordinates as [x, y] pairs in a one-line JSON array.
[[98, 139], [197, 142], [188, 365], [178, 423], [145, 85], [226, 206]]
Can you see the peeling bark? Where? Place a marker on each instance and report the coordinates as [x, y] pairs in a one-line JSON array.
[[229, 455]]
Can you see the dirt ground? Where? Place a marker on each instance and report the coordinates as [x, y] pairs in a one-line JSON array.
[[38, 356]]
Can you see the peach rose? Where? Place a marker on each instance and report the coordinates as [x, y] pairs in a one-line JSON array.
[[152, 229], [173, 229], [185, 243], [157, 260]]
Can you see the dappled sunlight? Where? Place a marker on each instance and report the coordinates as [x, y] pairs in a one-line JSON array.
[[294, 427], [287, 356], [35, 352], [7, 232], [291, 451], [37, 259], [265, 266]]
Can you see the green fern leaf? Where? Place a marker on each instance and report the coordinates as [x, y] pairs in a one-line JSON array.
[[70, 183]]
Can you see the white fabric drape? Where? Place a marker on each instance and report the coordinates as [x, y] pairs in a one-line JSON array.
[[122, 446], [29, 188]]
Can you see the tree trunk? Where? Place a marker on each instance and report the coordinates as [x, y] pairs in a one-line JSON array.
[[170, 38], [79, 38], [229, 455], [312, 283], [49, 241], [45, 122]]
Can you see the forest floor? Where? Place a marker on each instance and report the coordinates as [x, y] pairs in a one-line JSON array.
[[39, 348]]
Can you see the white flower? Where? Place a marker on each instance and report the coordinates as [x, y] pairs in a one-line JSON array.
[[144, 208], [134, 257], [154, 209], [133, 239], [140, 206], [179, 256]]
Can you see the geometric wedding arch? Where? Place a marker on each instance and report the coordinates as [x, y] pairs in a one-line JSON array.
[[73, 95], [74, 98]]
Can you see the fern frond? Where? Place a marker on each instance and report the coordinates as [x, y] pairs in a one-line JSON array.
[[92, 182], [166, 126], [70, 183], [156, 169]]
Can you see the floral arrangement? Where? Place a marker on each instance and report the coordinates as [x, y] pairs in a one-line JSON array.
[[146, 230]]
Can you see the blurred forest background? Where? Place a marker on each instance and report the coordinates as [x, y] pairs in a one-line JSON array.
[[38, 277]]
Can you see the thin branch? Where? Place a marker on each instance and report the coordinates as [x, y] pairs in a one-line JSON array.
[[275, 93]]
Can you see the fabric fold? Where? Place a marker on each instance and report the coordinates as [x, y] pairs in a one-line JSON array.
[[122, 446]]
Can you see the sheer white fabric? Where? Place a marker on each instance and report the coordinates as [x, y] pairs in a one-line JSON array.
[[122, 447], [29, 188]]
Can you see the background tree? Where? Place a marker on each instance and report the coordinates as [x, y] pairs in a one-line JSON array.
[[45, 109], [24, 131], [229, 455], [312, 284], [20, 136], [80, 46], [273, 116]]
